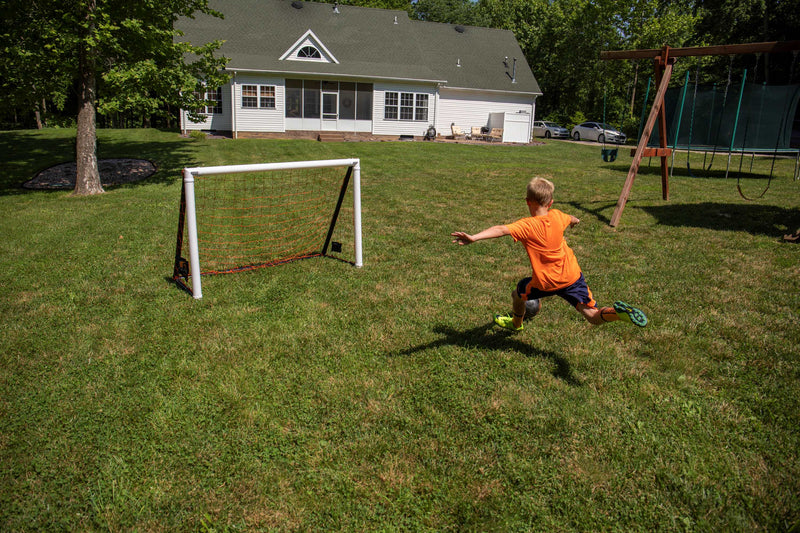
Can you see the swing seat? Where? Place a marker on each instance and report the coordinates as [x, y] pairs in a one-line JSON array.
[[609, 154]]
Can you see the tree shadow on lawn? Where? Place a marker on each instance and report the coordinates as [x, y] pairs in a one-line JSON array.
[[752, 218], [717, 169], [488, 337], [23, 155], [755, 219]]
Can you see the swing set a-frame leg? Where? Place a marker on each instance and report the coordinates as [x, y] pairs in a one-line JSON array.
[[663, 67]]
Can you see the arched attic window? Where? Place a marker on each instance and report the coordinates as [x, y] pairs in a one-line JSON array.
[[308, 52]]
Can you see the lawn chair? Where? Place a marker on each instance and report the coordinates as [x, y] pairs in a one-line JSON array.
[[495, 135], [456, 131], [475, 133]]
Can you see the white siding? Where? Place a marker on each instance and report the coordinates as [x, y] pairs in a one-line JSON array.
[[270, 120], [380, 126], [463, 107], [472, 108]]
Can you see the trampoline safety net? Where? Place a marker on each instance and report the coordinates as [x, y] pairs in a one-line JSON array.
[[712, 117]]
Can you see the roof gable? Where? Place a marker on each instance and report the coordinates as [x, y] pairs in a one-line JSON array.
[[302, 49]]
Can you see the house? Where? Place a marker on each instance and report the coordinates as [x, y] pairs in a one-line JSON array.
[[300, 68]]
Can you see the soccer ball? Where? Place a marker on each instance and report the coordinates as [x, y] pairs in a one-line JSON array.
[[532, 308]]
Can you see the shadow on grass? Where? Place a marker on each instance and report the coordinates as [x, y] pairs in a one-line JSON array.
[[716, 168], [488, 337], [23, 154], [752, 218], [596, 211], [755, 219]]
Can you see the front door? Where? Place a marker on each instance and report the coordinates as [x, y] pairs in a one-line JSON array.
[[330, 110]]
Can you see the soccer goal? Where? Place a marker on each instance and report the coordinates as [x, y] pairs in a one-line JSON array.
[[243, 217]]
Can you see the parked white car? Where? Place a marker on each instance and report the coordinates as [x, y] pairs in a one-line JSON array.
[[597, 131], [542, 128]]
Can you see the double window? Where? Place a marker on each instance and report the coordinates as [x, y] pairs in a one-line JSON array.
[[405, 106], [258, 96]]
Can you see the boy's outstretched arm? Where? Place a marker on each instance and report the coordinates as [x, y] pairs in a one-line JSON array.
[[462, 238]]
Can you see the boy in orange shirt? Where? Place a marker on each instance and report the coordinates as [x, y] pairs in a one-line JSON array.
[[555, 269]]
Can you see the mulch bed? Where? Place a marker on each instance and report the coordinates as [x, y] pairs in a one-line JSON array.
[[112, 172]]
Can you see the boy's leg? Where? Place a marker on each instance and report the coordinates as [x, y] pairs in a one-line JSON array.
[[620, 311], [597, 315], [518, 307], [514, 322], [579, 295]]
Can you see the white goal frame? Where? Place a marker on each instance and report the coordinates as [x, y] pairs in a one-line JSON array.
[[189, 175]]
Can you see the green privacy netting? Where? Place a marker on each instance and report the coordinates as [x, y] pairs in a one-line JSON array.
[[749, 117]]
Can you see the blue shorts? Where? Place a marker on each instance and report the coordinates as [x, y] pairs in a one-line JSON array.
[[577, 293]]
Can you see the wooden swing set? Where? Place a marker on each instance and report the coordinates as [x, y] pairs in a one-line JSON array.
[[663, 61]]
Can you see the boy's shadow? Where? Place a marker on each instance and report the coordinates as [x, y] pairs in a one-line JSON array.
[[481, 337]]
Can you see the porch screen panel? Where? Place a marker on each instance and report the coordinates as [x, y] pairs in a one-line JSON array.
[[347, 101], [364, 101], [311, 99], [294, 98]]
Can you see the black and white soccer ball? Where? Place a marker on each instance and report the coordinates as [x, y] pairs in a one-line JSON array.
[[532, 308]]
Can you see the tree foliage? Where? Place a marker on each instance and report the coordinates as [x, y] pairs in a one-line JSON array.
[[746, 21], [403, 5], [449, 11], [116, 55], [31, 65], [136, 68], [562, 41]]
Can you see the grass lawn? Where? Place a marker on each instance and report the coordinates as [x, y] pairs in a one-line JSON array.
[[318, 396]]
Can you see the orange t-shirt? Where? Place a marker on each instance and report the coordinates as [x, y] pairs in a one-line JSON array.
[[553, 262]]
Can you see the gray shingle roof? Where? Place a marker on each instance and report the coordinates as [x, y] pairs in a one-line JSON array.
[[370, 44]]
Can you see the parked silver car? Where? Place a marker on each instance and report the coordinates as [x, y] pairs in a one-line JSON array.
[[597, 131], [542, 128]]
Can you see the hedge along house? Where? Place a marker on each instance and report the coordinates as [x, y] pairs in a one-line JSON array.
[[301, 68]]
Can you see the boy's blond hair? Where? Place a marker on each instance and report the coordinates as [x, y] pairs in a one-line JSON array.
[[540, 190]]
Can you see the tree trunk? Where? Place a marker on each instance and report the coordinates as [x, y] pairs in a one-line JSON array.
[[87, 179], [38, 112]]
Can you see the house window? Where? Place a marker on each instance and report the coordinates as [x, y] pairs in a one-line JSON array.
[[390, 106], [421, 109], [308, 52], [214, 96], [405, 106], [267, 97], [249, 96], [258, 96]]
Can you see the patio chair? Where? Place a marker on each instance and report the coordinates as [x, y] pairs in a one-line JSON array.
[[495, 135], [457, 133], [475, 133]]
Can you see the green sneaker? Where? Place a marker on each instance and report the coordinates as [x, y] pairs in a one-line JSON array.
[[630, 314], [506, 322]]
